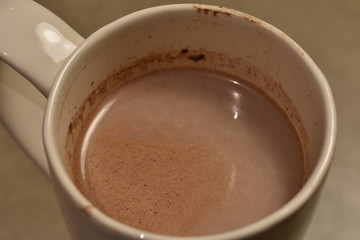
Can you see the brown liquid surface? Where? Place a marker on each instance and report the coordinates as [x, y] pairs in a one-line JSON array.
[[188, 152]]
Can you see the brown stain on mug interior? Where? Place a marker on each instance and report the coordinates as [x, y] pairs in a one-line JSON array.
[[194, 57], [186, 56]]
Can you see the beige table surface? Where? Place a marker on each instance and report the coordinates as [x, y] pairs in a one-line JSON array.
[[329, 30]]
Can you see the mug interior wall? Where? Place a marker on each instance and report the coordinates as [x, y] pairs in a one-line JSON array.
[[223, 41]]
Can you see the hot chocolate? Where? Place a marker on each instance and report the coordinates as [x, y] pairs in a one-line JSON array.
[[188, 152]]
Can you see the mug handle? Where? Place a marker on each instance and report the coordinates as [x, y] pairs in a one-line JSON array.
[[35, 42]]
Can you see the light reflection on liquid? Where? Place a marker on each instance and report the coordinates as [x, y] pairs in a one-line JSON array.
[[236, 105], [88, 134]]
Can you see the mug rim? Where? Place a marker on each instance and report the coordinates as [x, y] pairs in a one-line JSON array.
[[59, 172]]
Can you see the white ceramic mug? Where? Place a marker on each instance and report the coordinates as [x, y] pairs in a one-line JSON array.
[[67, 68]]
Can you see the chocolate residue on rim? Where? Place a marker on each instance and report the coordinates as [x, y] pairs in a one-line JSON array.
[[206, 11], [251, 19], [225, 11]]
